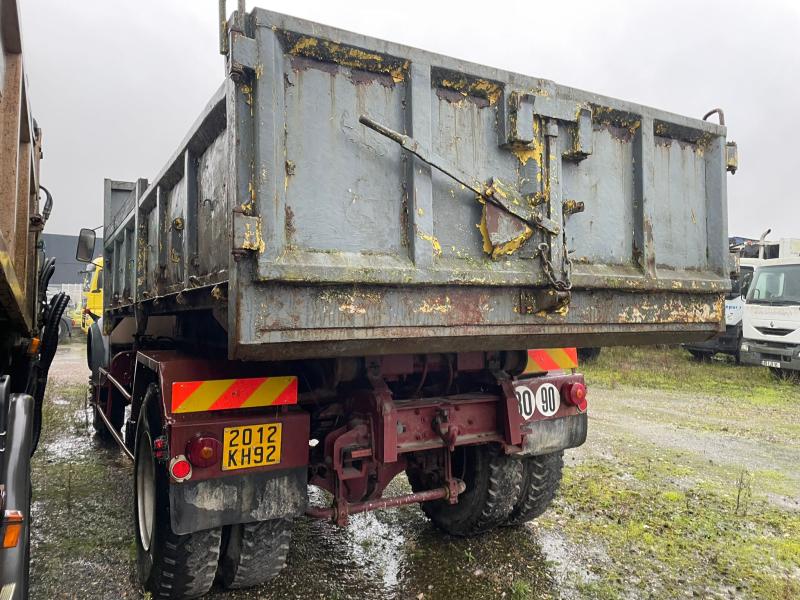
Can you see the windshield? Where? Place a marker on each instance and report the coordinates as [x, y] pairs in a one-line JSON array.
[[736, 282], [775, 285], [87, 278]]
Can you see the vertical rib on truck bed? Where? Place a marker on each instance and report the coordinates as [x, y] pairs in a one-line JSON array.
[[324, 236]]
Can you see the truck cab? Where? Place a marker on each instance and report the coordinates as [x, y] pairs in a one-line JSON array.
[[771, 318], [92, 295]]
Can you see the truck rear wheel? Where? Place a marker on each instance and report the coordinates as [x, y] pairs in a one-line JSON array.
[[492, 481], [541, 476], [169, 565], [254, 553]]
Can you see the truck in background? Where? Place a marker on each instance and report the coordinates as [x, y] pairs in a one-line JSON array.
[[29, 322], [771, 321], [729, 341], [335, 277], [91, 307], [746, 255]]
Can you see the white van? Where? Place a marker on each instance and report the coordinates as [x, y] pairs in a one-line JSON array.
[[771, 318]]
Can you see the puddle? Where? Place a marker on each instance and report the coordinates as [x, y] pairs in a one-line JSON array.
[[397, 554]]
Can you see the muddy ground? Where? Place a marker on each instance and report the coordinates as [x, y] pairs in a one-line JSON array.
[[689, 486]]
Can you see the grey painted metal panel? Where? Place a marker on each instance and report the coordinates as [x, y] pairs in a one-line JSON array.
[[331, 237]]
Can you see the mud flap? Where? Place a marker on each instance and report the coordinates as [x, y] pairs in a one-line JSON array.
[[552, 435], [246, 498]]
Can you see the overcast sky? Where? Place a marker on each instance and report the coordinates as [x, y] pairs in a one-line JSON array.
[[116, 84]]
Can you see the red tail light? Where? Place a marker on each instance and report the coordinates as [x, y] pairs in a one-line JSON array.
[[203, 451], [575, 394]]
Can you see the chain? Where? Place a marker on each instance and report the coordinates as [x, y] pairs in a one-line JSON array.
[[562, 285]]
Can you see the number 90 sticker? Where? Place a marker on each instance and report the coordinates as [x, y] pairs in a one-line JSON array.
[[546, 400]]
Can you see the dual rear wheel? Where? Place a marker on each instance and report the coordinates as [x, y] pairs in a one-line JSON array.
[[500, 490], [185, 566]]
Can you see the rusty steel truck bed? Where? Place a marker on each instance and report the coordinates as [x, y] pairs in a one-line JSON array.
[[335, 278], [345, 195]]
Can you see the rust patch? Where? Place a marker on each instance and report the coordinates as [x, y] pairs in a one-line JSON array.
[[359, 77], [289, 216], [674, 310], [622, 125], [328, 52], [438, 305], [456, 87], [353, 302], [300, 63]]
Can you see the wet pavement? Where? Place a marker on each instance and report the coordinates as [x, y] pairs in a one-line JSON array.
[[83, 542]]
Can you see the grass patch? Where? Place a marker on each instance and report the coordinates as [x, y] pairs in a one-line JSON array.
[[672, 368], [704, 532]]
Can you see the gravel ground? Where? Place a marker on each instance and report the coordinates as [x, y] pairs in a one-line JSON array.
[[678, 442]]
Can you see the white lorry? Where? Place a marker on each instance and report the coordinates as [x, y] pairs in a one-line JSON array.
[[729, 341], [771, 317]]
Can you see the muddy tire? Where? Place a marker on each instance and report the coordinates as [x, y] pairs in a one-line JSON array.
[[170, 566], [541, 476], [493, 483], [254, 553]]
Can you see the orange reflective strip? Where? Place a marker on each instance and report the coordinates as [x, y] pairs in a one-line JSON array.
[[551, 359], [561, 358], [542, 359], [237, 393], [573, 355], [288, 395], [221, 394], [181, 390]]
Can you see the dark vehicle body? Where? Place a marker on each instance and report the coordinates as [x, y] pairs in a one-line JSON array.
[[29, 324], [365, 260]]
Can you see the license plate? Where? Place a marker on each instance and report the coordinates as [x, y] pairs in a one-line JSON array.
[[251, 446], [776, 364]]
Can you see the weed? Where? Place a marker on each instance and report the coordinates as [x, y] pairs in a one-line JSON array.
[[521, 590], [744, 492]]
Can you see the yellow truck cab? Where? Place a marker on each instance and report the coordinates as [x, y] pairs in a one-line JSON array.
[[92, 297]]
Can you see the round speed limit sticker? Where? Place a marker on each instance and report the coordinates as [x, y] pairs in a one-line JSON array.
[[548, 399]]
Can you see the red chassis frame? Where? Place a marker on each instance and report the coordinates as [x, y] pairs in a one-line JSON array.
[[359, 458]]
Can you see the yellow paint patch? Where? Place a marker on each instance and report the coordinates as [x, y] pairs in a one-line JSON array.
[[436, 306], [437, 247]]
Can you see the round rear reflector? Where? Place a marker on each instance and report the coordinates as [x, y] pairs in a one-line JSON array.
[[576, 395], [180, 468], [203, 450]]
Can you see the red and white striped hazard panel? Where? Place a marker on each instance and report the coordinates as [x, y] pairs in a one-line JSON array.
[[221, 394]]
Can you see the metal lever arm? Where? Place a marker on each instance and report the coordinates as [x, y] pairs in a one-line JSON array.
[[496, 194]]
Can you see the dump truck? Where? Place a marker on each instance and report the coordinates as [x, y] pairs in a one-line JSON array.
[[29, 322], [367, 260]]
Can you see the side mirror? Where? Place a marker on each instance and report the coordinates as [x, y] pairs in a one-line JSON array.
[[85, 251], [745, 287]]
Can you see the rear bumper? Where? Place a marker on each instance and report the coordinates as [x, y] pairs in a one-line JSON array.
[[758, 353], [552, 435]]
